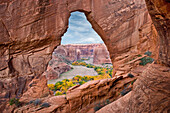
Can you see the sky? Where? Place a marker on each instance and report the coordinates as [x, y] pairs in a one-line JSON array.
[[80, 31]]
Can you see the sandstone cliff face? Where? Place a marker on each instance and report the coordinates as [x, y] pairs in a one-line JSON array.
[[74, 52], [31, 29], [160, 14], [151, 91], [101, 55]]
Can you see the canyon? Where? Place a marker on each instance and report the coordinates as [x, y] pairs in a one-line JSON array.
[[31, 29], [64, 55], [74, 52]]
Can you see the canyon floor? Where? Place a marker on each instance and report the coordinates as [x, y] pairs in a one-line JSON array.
[[77, 70]]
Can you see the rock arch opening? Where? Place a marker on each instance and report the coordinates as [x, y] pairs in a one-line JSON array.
[[81, 57], [31, 30]]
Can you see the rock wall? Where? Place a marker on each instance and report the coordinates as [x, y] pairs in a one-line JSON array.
[[71, 52], [101, 55], [150, 93], [151, 90], [31, 29], [160, 14]]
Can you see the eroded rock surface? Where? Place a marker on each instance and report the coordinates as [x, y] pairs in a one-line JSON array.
[[150, 94], [160, 14], [101, 55], [31, 29], [35, 29], [81, 99]]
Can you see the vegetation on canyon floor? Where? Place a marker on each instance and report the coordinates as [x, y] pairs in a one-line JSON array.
[[61, 87]]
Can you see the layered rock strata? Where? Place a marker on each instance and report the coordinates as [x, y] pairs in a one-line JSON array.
[[74, 52], [150, 93], [81, 99], [31, 29]]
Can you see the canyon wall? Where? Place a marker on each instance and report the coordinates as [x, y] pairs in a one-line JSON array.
[[64, 55], [74, 52], [31, 29], [160, 13], [151, 90], [101, 55]]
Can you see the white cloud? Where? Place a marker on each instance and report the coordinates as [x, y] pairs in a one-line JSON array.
[[80, 31]]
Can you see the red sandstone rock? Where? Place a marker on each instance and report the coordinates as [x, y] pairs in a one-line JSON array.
[[56, 69], [81, 98], [150, 93], [37, 89], [30, 30], [36, 27], [101, 55], [74, 52]]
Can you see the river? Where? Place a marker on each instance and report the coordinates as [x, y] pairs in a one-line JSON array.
[[77, 70]]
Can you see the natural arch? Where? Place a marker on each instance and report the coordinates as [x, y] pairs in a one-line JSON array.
[[29, 33], [45, 29]]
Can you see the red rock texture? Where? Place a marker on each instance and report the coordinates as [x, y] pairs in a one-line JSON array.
[[160, 13], [101, 55], [53, 72], [82, 98], [31, 29], [35, 29], [150, 93]]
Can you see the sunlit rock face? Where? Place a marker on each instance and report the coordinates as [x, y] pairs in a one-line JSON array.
[[74, 52], [101, 55], [31, 29]]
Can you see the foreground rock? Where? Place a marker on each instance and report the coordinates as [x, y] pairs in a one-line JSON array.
[[150, 93], [31, 29], [82, 99]]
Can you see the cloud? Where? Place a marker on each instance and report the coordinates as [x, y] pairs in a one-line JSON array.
[[80, 31]]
